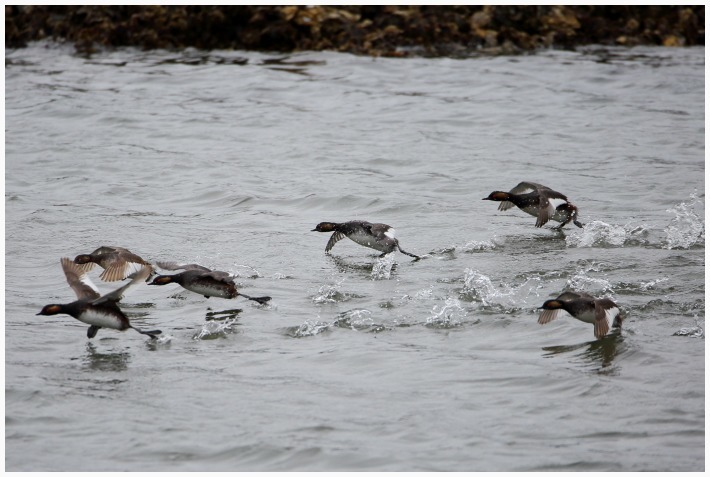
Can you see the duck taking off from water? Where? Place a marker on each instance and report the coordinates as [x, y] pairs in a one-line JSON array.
[[117, 262], [539, 201], [92, 308], [378, 236], [204, 281], [584, 307]]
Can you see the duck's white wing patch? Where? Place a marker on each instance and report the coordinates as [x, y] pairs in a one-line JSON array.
[[390, 233], [526, 187], [604, 311], [555, 202], [547, 316]]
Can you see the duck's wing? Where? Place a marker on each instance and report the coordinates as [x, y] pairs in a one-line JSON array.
[[549, 201], [79, 281], [605, 310], [505, 205], [522, 188], [117, 294], [335, 238], [381, 231], [178, 266], [122, 267], [573, 295], [547, 316], [106, 249], [85, 267], [526, 187], [219, 276]]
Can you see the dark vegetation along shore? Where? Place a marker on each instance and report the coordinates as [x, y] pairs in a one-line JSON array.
[[369, 30]]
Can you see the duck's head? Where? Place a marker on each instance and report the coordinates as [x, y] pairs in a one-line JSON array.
[[498, 196], [324, 227], [162, 280], [50, 310], [83, 258], [551, 305]]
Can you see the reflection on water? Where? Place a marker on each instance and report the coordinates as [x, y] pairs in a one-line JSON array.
[[599, 352], [222, 315], [102, 361]]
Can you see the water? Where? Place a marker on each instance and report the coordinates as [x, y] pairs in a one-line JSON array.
[[229, 159]]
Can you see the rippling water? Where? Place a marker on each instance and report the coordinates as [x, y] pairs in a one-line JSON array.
[[229, 159]]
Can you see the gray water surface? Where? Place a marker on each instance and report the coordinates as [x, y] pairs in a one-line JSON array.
[[229, 159]]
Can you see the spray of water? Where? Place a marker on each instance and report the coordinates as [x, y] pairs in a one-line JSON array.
[[688, 226]]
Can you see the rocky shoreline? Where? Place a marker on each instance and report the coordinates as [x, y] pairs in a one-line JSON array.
[[455, 31]]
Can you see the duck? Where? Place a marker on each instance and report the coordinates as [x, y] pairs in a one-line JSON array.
[[539, 201], [92, 308], [203, 280], [118, 262], [584, 307], [378, 236]]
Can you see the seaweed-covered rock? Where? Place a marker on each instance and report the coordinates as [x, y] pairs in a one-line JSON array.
[[391, 30]]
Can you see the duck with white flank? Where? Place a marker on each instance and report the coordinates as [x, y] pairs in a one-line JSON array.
[[378, 236], [585, 308], [204, 281], [92, 308], [117, 262], [539, 201]]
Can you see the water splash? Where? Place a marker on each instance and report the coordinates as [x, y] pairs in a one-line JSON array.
[[599, 234], [448, 315], [688, 226], [214, 330], [358, 320], [696, 331], [382, 269], [425, 294], [253, 272], [481, 288], [582, 281], [652, 284], [309, 328], [479, 245], [329, 293]]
